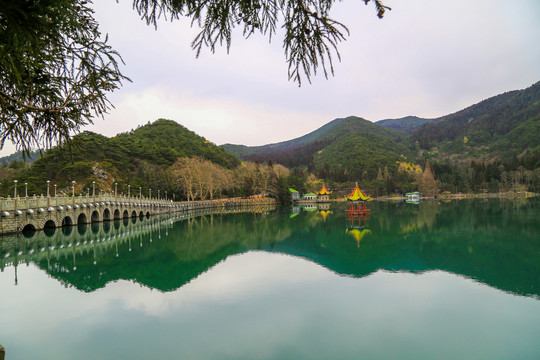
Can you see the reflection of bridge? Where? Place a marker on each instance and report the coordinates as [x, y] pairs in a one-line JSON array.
[[71, 242], [36, 213]]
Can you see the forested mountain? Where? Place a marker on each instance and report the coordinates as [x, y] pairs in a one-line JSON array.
[[322, 134], [497, 128], [490, 146], [139, 158], [407, 124], [343, 149]]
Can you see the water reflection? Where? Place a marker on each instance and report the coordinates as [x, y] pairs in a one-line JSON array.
[[493, 242]]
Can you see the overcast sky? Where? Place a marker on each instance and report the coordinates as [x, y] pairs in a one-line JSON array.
[[426, 58]]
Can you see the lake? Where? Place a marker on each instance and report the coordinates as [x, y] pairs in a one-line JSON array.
[[434, 280]]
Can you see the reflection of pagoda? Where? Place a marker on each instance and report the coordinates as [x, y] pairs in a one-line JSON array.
[[357, 203], [324, 214], [358, 234], [358, 215], [323, 194]]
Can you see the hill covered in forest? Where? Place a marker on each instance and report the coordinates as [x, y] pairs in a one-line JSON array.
[[343, 148], [497, 128], [139, 158], [490, 146]]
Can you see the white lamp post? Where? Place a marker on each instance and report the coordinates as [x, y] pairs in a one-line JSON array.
[[15, 193]]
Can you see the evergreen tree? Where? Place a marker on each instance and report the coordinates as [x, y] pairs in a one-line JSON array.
[[428, 185]]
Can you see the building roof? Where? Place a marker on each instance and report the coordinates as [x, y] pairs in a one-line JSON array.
[[357, 194], [324, 191], [310, 194], [292, 190]]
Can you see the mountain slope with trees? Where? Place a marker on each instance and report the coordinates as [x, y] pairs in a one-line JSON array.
[[493, 145], [343, 149], [497, 128], [140, 157]]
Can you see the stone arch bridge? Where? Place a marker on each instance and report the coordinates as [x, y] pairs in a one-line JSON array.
[[42, 213], [70, 243]]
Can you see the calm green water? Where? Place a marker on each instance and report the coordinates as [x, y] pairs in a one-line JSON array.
[[458, 280]]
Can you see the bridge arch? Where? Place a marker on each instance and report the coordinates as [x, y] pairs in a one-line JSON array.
[[29, 230], [106, 215], [95, 216], [148, 214], [49, 224], [82, 219], [133, 214], [67, 230], [66, 221], [49, 228], [125, 214], [116, 214]]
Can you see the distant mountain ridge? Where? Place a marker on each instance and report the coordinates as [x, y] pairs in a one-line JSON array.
[[407, 124], [344, 146], [499, 127], [18, 156], [322, 133]]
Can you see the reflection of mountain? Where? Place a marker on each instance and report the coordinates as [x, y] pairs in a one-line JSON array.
[[493, 242]]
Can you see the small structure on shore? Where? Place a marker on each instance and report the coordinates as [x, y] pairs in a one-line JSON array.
[[295, 195], [413, 197], [357, 202], [323, 195], [310, 197]]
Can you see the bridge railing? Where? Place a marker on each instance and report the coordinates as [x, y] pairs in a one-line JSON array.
[[36, 202]]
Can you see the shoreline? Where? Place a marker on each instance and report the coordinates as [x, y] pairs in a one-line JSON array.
[[459, 196]]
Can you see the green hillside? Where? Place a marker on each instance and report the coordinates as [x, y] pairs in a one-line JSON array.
[[407, 124], [490, 146], [322, 134], [345, 148], [139, 157], [497, 128]]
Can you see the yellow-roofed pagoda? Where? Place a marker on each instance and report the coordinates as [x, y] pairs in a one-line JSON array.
[[323, 194], [357, 202]]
